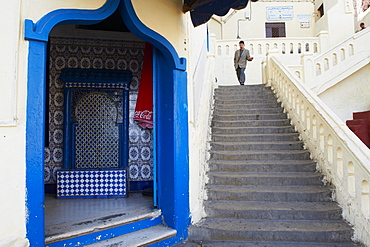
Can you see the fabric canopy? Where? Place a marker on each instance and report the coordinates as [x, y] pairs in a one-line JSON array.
[[202, 10]]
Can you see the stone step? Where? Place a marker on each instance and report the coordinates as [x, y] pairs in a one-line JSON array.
[[261, 109], [143, 237], [250, 123], [246, 96], [261, 155], [272, 230], [253, 130], [269, 193], [248, 106], [246, 101], [249, 97], [94, 229], [265, 178], [273, 210], [238, 89], [262, 166], [230, 117], [231, 243], [289, 136], [265, 145]]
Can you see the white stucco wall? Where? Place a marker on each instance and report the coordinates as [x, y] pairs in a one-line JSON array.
[[227, 27], [12, 127], [166, 18], [338, 20], [35, 9], [350, 95]]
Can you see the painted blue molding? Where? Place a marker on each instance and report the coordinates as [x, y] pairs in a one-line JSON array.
[[134, 24], [41, 29], [36, 92]]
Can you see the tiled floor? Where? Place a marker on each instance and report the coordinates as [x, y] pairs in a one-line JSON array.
[[66, 216]]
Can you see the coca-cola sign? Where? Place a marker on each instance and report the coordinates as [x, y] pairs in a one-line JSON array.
[[147, 115]]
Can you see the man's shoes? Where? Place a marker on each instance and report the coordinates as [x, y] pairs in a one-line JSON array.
[[241, 83]]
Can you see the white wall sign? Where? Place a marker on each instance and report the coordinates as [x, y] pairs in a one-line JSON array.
[[304, 18], [305, 24], [279, 13]]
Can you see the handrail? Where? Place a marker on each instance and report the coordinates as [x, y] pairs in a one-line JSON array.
[[341, 156], [320, 68]]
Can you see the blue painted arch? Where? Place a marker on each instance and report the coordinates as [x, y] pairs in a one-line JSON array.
[[170, 107]]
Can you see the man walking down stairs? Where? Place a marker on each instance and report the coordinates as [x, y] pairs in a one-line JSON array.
[[263, 189]]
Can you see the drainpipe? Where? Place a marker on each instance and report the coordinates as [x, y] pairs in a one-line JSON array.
[[237, 36], [222, 26]]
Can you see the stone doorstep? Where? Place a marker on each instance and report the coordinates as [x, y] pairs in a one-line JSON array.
[[90, 227], [143, 237]]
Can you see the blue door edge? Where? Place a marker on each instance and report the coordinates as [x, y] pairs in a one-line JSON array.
[[178, 214]]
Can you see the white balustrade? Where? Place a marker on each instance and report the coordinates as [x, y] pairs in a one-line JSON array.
[[329, 64], [291, 48], [341, 156], [260, 47]]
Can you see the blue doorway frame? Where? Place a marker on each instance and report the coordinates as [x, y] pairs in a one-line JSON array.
[[170, 107]]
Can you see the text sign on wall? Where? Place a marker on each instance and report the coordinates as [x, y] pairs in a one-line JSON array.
[[304, 18], [279, 13]]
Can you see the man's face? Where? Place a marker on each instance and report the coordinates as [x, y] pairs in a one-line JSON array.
[[362, 26], [241, 45]]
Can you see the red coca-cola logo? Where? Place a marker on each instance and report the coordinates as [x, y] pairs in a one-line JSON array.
[[147, 115]]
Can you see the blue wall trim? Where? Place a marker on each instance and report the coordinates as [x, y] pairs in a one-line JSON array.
[[35, 131], [133, 22], [170, 107]]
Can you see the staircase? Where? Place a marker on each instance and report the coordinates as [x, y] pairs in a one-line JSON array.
[[263, 189]]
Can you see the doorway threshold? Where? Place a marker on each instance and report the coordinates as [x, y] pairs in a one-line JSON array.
[[79, 222]]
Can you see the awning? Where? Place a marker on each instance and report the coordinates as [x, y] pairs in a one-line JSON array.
[[202, 10]]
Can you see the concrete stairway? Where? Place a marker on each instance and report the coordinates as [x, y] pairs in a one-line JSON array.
[[263, 189]]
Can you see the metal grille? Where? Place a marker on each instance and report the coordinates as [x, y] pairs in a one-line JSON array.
[[97, 136], [275, 30]]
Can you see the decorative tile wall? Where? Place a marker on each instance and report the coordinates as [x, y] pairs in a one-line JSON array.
[[98, 184], [97, 54]]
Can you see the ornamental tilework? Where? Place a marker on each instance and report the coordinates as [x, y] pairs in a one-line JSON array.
[[96, 54], [77, 183]]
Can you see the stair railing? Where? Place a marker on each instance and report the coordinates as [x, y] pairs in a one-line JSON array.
[[326, 69], [290, 48], [340, 155]]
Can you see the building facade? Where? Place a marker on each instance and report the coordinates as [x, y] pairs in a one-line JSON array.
[[43, 38]]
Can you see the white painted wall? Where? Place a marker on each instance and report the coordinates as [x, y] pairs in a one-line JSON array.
[[349, 95], [166, 18], [35, 9], [254, 27], [12, 127], [338, 20]]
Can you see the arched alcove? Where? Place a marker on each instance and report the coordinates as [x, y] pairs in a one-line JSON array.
[[170, 84]]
